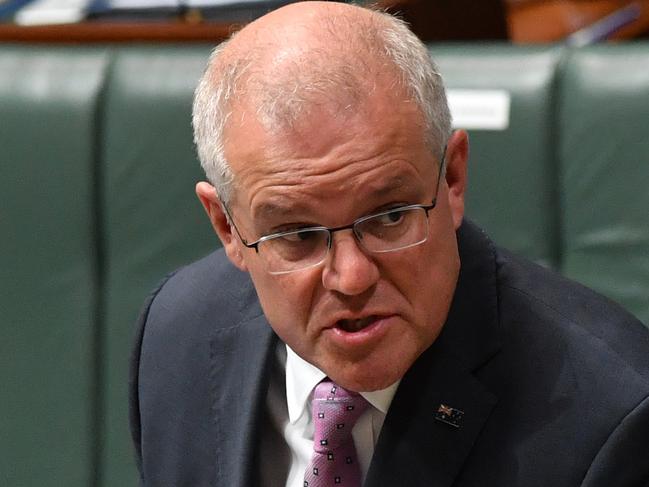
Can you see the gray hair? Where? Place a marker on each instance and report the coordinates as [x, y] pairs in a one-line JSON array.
[[224, 80]]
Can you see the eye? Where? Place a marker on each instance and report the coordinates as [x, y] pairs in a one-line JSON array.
[[296, 246], [392, 218], [299, 236]]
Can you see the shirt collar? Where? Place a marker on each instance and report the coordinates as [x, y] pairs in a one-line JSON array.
[[302, 377]]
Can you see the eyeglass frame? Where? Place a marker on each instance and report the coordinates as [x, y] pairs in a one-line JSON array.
[[332, 230]]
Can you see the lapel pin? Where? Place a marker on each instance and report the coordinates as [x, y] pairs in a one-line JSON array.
[[448, 415]]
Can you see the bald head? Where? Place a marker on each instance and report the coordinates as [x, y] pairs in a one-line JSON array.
[[305, 54], [305, 31], [300, 25], [308, 56]]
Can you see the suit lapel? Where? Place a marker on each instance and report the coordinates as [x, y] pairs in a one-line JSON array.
[[417, 445], [240, 358]]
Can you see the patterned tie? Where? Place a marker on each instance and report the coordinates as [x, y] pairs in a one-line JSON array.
[[334, 462]]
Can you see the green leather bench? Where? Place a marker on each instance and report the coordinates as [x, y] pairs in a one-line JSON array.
[[152, 222], [604, 156], [49, 265], [513, 170], [97, 187]]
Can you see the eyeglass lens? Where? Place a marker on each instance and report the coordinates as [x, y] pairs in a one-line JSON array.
[[386, 232]]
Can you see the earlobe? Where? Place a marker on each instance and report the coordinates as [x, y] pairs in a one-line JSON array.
[[457, 155], [212, 205]]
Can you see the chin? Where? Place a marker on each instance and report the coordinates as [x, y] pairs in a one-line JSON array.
[[364, 377]]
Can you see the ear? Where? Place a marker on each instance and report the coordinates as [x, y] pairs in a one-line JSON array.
[[214, 209], [457, 156]]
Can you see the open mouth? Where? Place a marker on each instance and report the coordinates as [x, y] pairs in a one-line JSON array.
[[353, 326]]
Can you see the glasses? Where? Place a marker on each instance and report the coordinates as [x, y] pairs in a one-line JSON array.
[[395, 229], [388, 231]]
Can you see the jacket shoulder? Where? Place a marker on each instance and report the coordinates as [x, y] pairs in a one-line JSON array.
[[571, 375], [209, 291], [531, 296], [174, 331]]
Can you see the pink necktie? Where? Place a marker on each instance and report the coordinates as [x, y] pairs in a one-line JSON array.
[[334, 461]]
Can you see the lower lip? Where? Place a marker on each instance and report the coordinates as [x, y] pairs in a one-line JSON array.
[[374, 331]]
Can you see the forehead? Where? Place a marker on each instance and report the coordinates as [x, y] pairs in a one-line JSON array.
[[401, 186], [374, 150]]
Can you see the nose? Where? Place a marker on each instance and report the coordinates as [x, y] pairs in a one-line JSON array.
[[348, 269]]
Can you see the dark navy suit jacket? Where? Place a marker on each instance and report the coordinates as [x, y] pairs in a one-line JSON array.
[[553, 381]]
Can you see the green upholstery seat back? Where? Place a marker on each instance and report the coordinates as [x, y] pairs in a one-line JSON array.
[[605, 172], [512, 171], [152, 220], [48, 273]]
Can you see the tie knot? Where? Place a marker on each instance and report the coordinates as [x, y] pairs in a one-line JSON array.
[[335, 412], [327, 390]]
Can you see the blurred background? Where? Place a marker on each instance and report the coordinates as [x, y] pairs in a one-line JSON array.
[[518, 21], [97, 171]]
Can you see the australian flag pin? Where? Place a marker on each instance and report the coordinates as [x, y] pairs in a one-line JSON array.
[[448, 415]]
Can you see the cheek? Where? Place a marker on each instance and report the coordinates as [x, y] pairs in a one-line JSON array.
[[430, 283], [286, 302]]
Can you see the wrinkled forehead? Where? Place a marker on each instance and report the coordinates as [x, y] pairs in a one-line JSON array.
[[311, 107]]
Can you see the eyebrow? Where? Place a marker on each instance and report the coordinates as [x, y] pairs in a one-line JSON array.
[[394, 184], [267, 210], [270, 209]]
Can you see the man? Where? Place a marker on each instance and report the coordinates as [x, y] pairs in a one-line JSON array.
[[349, 280]]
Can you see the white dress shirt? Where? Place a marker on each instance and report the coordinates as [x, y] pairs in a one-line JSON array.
[[297, 429]]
